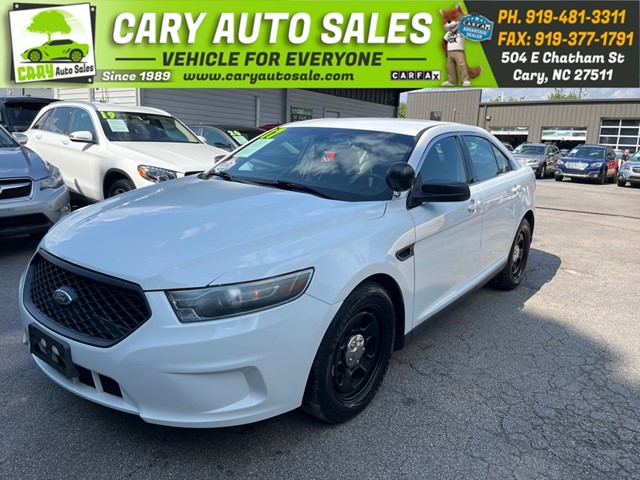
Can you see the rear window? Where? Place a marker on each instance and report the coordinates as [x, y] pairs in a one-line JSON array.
[[19, 115]]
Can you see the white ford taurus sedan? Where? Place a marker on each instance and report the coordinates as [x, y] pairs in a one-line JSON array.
[[283, 277]]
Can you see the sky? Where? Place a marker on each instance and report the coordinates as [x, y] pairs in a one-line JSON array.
[[542, 93]]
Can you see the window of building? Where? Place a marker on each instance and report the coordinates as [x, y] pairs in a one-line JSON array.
[[620, 133]]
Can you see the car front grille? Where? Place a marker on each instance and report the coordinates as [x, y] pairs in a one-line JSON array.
[[15, 188], [36, 220], [98, 310], [635, 169]]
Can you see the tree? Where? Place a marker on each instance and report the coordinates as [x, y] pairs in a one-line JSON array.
[[49, 22], [510, 99], [559, 94], [402, 110]]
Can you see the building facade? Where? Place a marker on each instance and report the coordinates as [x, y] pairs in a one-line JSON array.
[[566, 123]]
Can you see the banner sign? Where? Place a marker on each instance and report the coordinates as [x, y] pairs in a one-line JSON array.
[[321, 44]]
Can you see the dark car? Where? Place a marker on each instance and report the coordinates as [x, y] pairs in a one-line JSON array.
[[17, 113], [630, 171], [541, 157], [227, 137], [589, 162]]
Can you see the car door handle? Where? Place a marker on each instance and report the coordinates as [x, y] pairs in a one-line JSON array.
[[475, 206], [39, 137], [517, 189]]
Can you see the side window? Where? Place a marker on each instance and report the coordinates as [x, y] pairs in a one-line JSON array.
[[57, 121], [443, 161], [216, 139], [81, 121], [42, 120], [482, 157], [504, 165]]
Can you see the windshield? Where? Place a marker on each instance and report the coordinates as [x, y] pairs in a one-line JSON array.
[[144, 127], [591, 153], [241, 135], [523, 149], [19, 115], [635, 157], [337, 163], [6, 139]]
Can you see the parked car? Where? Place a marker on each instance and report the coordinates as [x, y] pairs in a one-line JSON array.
[[32, 194], [62, 48], [282, 277], [17, 113], [541, 157], [630, 171], [593, 162], [103, 150], [226, 137]]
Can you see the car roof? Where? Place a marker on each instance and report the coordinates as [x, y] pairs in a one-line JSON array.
[[110, 107], [225, 126], [392, 125], [25, 98]]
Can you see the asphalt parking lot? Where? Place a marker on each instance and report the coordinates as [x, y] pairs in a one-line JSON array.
[[540, 382]]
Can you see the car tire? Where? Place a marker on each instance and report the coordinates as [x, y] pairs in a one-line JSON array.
[[76, 55], [603, 179], [120, 186], [622, 183], [543, 172], [558, 178], [35, 56], [511, 275], [353, 356]]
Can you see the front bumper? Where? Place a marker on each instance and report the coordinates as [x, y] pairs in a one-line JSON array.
[[211, 374], [575, 173], [34, 214], [629, 176]]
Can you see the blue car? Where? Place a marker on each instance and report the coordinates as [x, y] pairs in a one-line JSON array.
[[590, 162]]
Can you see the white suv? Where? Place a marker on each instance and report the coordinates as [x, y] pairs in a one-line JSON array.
[[103, 150]]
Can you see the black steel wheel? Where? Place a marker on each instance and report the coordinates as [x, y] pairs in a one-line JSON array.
[[76, 55], [511, 275], [35, 56], [353, 356], [120, 186]]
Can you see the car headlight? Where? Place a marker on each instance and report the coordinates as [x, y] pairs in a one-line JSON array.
[[54, 180], [596, 164], [625, 167], [156, 174], [214, 303]]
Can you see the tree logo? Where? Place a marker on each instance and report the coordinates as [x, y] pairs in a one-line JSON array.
[[67, 54]]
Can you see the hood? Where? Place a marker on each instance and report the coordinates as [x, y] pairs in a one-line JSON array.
[[527, 157], [21, 162], [188, 232], [584, 160], [181, 157]]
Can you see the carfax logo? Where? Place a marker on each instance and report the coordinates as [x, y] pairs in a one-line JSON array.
[[52, 43]]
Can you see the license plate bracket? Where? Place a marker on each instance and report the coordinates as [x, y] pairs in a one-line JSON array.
[[55, 353]]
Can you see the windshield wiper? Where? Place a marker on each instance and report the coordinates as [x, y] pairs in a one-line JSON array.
[[293, 187]]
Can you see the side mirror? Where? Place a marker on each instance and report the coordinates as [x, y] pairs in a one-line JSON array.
[[201, 138], [217, 158], [439, 191], [400, 177], [21, 138], [81, 136]]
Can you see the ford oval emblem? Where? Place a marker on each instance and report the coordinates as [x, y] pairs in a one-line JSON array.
[[64, 295]]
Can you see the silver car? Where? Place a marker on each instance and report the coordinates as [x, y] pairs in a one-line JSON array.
[[541, 157], [630, 171], [32, 194]]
